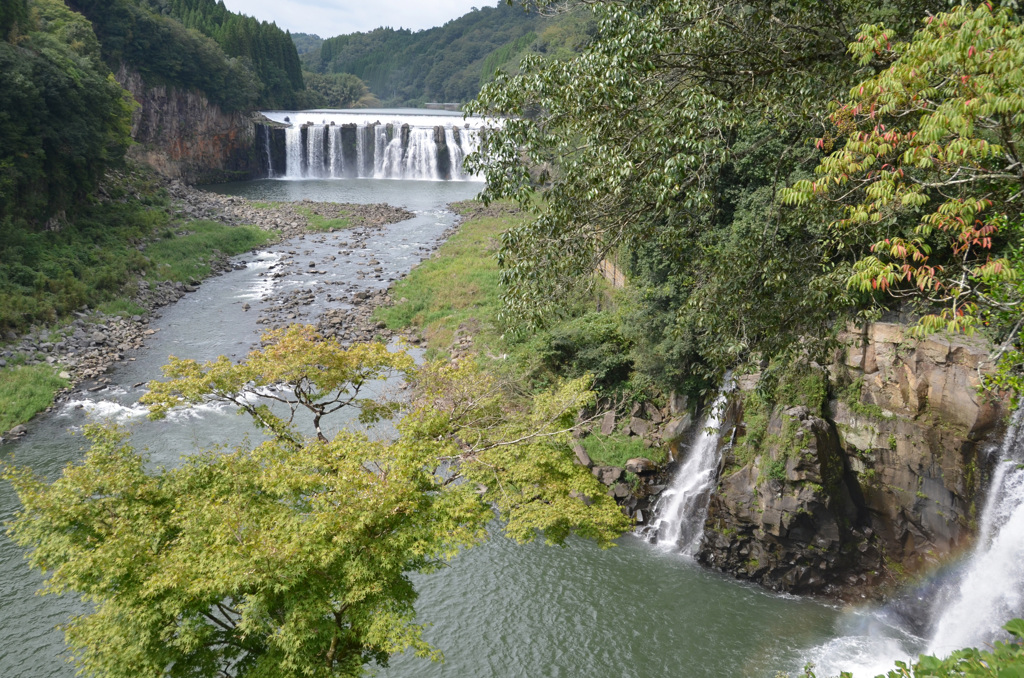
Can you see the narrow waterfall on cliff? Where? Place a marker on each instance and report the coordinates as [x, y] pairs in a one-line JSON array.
[[985, 593], [682, 508], [991, 590], [371, 145]]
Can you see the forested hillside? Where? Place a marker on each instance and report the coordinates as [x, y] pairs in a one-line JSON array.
[[237, 61], [448, 63], [63, 119]]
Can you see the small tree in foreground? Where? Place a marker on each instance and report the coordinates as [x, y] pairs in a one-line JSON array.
[[292, 558]]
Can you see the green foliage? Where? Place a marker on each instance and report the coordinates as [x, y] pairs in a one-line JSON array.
[[337, 90], [26, 391], [658, 144], [292, 558], [237, 61], [928, 173], [47, 274], [589, 344], [63, 119]]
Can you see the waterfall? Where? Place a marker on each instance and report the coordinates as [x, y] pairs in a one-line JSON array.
[[421, 156], [321, 144], [315, 150], [991, 590], [455, 152], [293, 149], [380, 144], [337, 158], [266, 149], [683, 507]]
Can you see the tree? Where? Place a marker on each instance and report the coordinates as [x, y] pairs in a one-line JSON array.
[[340, 90], [928, 169], [292, 558], [665, 142]]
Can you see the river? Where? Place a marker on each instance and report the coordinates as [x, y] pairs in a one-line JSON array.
[[501, 609]]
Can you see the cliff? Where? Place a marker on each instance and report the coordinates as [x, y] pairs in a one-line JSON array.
[[183, 136], [864, 472]]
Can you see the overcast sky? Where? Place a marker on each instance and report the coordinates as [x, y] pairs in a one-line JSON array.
[[328, 18]]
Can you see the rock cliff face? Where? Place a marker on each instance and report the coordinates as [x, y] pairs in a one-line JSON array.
[[183, 136], [878, 482]]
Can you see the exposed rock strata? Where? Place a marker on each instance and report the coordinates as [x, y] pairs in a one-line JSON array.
[[182, 135], [885, 485]]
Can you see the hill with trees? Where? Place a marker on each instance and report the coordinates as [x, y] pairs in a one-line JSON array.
[[237, 61], [448, 63]]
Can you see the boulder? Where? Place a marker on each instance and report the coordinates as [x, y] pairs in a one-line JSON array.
[[676, 428], [620, 491], [608, 475], [581, 455], [608, 423], [641, 465]]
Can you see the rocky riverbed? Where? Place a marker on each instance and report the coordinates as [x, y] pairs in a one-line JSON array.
[[84, 349]]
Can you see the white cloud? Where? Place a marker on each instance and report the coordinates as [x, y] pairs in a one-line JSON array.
[[328, 18]]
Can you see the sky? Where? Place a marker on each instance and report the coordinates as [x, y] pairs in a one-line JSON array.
[[328, 18]]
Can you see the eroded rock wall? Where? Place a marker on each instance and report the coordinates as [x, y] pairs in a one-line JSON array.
[[183, 136], [881, 482]]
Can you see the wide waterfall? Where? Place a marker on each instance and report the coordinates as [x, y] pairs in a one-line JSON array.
[[682, 508], [329, 144]]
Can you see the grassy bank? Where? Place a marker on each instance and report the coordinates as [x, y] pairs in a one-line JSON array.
[[458, 287], [25, 391], [454, 300], [46, 274]]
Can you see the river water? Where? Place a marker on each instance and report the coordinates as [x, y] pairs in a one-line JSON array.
[[501, 609]]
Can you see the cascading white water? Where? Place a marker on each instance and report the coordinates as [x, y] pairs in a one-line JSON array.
[[293, 151], [991, 591], [340, 144], [683, 507], [380, 144], [455, 152], [315, 150], [266, 149], [337, 157], [421, 156]]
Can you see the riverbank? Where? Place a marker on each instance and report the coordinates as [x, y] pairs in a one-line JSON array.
[[46, 364]]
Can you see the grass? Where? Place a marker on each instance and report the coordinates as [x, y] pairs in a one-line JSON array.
[[323, 224], [186, 256], [616, 449], [26, 391], [456, 288]]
